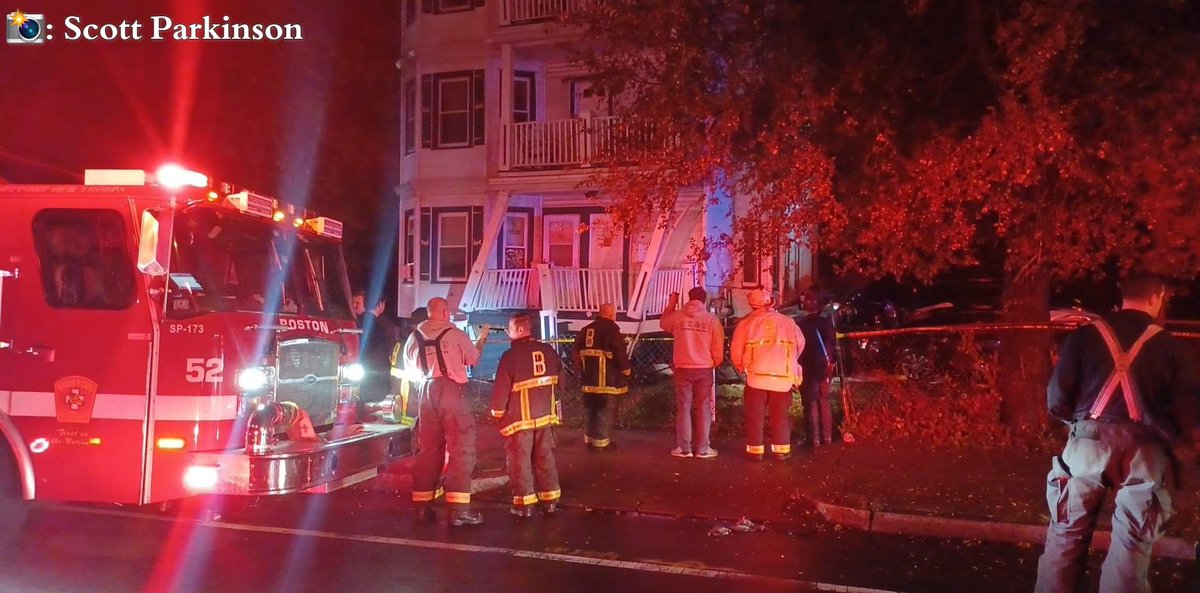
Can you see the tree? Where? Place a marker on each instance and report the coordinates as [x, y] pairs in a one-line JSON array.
[[1061, 135]]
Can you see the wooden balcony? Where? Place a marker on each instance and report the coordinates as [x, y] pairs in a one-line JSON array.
[[519, 12], [567, 143], [662, 283], [570, 289], [506, 289]]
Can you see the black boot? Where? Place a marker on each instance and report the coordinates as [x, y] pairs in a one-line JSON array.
[[549, 508], [522, 511], [425, 514]]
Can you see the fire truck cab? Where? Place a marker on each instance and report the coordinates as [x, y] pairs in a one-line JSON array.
[[162, 336]]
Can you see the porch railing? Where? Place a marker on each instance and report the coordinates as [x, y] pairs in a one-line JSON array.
[[504, 289], [663, 282], [529, 11], [580, 289]]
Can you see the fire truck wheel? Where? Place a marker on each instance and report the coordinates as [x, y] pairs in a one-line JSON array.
[[12, 508]]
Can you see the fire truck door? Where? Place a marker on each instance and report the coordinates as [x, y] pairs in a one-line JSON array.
[[84, 340]]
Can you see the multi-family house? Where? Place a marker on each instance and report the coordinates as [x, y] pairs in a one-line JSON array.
[[501, 134]]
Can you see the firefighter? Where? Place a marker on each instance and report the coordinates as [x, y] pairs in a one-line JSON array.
[[523, 399], [443, 352], [765, 347], [604, 373], [1120, 384], [405, 392]]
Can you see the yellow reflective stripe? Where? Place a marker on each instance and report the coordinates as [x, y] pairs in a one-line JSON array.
[[596, 352], [458, 497], [755, 449], [528, 499], [786, 375], [599, 443], [547, 420], [781, 448], [550, 495], [774, 341], [526, 413], [427, 495], [535, 382], [604, 390]]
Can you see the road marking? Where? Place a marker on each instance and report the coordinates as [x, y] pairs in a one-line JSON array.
[[473, 549]]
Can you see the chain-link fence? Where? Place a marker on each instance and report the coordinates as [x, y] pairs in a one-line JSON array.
[[875, 371]]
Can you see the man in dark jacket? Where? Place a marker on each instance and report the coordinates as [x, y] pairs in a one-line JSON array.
[[523, 399], [375, 346], [817, 362], [1117, 385], [604, 373]]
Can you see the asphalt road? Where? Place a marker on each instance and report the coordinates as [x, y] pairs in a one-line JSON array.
[[367, 541]]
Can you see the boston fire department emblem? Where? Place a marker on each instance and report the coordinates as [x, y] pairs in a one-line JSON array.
[[74, 398]]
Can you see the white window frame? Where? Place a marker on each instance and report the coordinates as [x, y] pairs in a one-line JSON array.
[[524, 217], [442, 245], [529, 109], [573, 220], [440, 113]]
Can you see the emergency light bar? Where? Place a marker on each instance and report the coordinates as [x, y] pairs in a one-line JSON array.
[[326, 227], [248, 202]]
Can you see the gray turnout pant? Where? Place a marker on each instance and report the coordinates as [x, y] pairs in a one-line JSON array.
[[1099, 456]]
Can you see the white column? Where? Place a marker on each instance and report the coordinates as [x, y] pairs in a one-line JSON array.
[[506, 92], [493, 216]]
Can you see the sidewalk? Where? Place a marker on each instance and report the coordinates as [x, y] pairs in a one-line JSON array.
[[896, 489]]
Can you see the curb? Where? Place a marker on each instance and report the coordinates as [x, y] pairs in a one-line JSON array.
[[926, 525]]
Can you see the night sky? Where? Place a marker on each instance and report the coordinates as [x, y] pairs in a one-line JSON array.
[[314, 121]]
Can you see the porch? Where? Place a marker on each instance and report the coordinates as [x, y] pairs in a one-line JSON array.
[[571, 290]]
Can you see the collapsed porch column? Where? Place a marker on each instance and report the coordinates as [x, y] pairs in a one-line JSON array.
[[638, 291], [494, 213]]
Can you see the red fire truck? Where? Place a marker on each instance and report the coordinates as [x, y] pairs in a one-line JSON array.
[[161, 336]]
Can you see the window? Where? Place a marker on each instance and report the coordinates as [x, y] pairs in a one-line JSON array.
[[454, 112], [452, 109], [524, 99], [410, 116], [453, 240], [751, 262], [410, 245], [441, 6], [85, 260], [562, 243], [516, 241]]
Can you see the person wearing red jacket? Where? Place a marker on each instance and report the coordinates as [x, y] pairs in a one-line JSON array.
[[525, 403]]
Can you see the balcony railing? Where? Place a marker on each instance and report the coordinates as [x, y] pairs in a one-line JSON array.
[[518, 12], [581, 289], [564, 143], [505, 289], [662, 283]]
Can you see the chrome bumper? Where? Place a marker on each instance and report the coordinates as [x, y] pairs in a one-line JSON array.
[[307, 466]]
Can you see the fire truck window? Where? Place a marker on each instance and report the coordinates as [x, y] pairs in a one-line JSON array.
[[84, 258], [318, 278]]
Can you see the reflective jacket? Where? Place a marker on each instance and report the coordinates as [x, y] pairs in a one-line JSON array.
[[766, 346], [523, 395], [603, 361]]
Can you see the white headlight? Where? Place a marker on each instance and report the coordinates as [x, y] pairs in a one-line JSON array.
[[253, 379], [353, 373]]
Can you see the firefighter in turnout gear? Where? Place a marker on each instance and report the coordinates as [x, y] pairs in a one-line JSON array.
[[1120, 384], [523, 400], [442, 353], [766, 345], [604, 373], [405, 400]]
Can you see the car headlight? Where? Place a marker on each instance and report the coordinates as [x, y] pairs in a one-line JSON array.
[[254, 379], [352, 373]]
